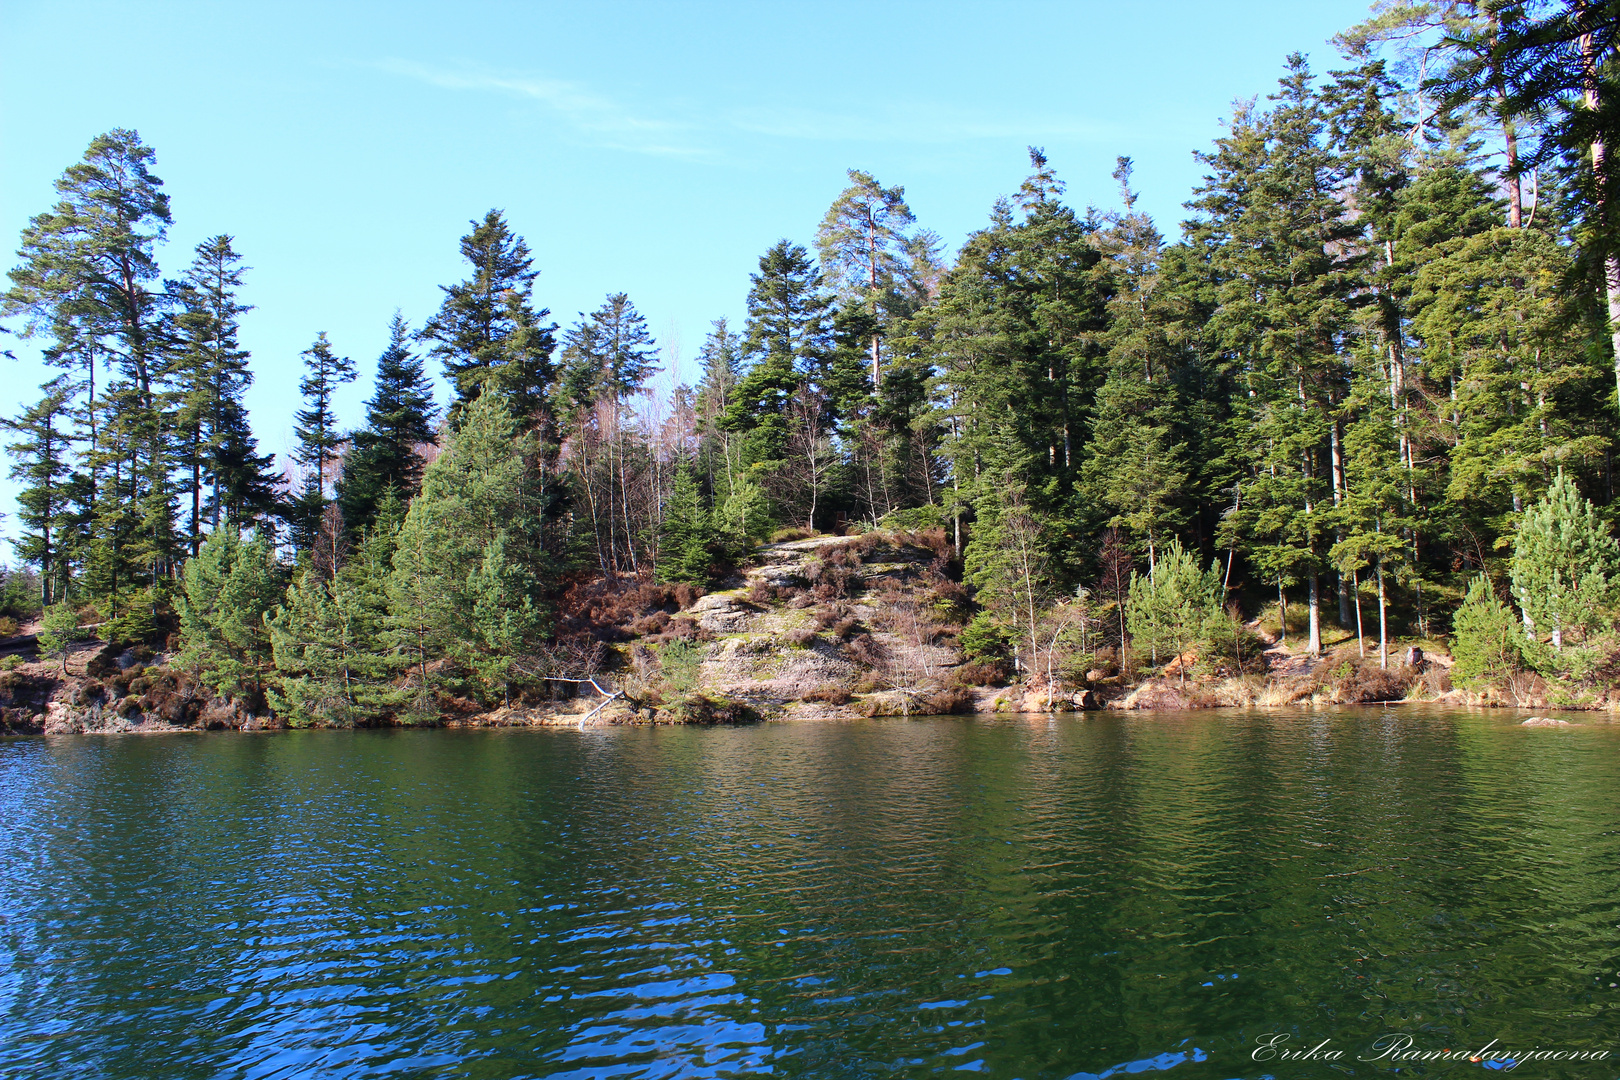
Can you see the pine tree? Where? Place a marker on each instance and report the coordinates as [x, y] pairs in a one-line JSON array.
[[1566, 566], [58, 631], [470, 569], [333, 664], [87, 281], [863, 247], [229, 588], [89, 264], [315, 426], [1175, 606], [384, 457]]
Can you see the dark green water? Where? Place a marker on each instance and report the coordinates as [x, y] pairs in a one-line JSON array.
[[1086, 896]]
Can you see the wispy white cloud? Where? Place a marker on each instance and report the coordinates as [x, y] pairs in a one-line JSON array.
[[609, 122], [925, 122], [605, 120]]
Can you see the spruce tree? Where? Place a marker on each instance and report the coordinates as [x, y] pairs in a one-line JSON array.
[[788, 339], [721, 359], [607, 358], [687, 536], [1136, 460]]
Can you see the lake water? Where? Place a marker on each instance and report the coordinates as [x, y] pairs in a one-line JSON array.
[[1084, 896]]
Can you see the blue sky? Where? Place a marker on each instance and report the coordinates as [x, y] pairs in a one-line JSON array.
[[652, 148]]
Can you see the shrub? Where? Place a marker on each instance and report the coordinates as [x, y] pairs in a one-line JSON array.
[[681, 663], [1369, 683], [865, 649], [789, 533], [648, 625], [702, 709], [831, 694], [986, 638], [8, 626], [981, 673], [950, 699], [799, 636]]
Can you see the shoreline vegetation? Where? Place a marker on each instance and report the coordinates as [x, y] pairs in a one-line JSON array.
[[1350, 438], [767, 649]]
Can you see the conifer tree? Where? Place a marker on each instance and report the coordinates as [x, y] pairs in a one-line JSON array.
[[87, 281], [58, 631], [487, 331], [89, 267], [316, 427], [1009, 563], [1136, 461], [384, 457], [607, 358], [788, 338], [42, 455], [470, 569], [687, 535], [1566, 565], [721, 360], [228, 589], [1486, 644], [1280, 245], [863, 247], [608, 355], [333, 664], [1175, 606], [206, 377]]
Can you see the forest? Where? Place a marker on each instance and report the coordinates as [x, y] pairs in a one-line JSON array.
[[1369, 395]]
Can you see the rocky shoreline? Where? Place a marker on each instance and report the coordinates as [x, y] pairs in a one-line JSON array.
[[823, 628]]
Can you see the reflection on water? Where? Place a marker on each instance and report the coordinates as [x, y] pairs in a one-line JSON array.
[[1071, 897]]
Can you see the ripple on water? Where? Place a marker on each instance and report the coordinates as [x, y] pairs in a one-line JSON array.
[[1078, 897]]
